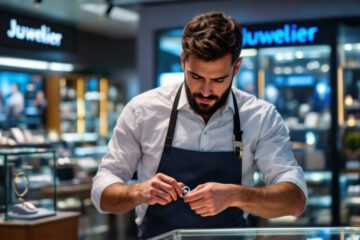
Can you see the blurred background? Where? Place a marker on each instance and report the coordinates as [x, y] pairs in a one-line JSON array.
[[67, 68]]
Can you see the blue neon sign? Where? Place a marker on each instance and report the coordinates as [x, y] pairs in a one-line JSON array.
[[288, 34]]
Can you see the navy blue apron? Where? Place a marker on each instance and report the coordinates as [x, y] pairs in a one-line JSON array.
[[194, 168]]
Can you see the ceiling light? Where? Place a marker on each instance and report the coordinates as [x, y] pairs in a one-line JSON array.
[[299, 55], [61, 67], [23, 63], [348, 47], [36, 64], [124, 15], [288, 56], [115, 13], [279, 57], [108, 10], [37, 3]]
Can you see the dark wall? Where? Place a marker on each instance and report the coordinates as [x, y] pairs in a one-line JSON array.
[[154, 18], [100, 53]]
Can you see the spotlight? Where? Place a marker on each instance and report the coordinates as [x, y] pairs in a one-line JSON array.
[[108, 10], [37, 3]]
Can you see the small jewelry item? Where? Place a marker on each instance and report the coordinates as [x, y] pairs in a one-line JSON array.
[[186, 190], [21, 179]]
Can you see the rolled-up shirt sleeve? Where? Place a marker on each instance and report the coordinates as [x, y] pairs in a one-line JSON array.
[[124, 152], [274, 156]]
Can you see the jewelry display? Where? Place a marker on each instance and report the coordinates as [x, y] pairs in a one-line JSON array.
[[21, 188], [28, 191]]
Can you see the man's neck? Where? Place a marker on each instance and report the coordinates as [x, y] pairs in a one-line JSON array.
[[206, 118]]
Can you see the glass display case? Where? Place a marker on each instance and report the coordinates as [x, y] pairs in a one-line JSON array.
[[83, 105], [297, 81], [340, 233], [349, 123], [28, 183]]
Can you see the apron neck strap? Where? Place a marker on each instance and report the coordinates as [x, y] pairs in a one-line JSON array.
[[172, 123]]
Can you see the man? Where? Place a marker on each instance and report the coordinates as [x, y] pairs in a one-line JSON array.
[[203, 135]]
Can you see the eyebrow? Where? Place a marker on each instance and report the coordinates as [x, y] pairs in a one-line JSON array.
[[217, 78]]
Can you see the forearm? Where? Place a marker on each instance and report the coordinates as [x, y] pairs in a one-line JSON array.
[[271, 201], [121, 198]]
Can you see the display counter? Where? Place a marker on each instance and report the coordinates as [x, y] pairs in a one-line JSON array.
[[323, 233]]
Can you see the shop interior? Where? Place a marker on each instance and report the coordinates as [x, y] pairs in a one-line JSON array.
[[59, 106]]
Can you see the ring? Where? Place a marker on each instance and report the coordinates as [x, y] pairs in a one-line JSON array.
[[186, 190]]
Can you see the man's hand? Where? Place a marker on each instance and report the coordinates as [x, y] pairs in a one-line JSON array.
[[209, 199], [160, 189]]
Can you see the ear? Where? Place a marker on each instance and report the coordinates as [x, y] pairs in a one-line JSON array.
[[237, 65], [182, 57]]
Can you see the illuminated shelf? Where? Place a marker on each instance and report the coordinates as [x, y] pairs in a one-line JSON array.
[[346, 171]]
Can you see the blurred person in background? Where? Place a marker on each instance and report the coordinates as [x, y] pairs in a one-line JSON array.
[[15, 103], [40, 103], [195, 145]]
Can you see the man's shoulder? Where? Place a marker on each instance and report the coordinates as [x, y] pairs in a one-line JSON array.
[[248, 102]]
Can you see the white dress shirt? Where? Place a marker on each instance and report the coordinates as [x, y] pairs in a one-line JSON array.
[[139, 137]]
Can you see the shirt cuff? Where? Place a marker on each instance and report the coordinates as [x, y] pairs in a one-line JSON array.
[[100, 183]]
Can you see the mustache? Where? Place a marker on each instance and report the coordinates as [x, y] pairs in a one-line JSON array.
[[210, 97]]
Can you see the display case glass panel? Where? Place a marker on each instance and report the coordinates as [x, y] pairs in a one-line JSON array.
[[28, 183], [340, 233]]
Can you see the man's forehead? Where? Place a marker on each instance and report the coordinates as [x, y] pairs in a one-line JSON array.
[[221, 66]]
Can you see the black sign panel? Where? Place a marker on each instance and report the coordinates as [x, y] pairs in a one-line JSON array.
[[287, 34], [23, 32]]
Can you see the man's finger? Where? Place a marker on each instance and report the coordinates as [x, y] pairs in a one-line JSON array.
[[171, 181], [167, 188], [162, 194], [202, 211], [197, 204], [194, 196]]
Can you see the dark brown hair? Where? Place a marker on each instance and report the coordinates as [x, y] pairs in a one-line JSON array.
[[212, 35]]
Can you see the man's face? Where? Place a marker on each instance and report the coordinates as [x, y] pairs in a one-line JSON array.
[[208, 83]]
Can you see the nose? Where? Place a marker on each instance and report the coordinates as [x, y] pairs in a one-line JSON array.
[[206, 89]]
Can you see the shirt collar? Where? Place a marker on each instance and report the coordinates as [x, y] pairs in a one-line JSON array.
[[183, 101]]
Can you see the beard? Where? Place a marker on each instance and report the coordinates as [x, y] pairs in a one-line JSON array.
[[206, 109]]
